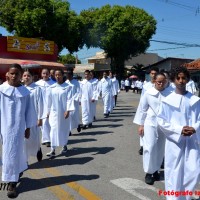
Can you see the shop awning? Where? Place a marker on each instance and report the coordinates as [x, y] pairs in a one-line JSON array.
[[31, 63]]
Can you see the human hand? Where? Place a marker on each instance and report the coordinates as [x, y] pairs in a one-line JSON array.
[[27, 133], [188, 131], [66, 114], [141, 130]]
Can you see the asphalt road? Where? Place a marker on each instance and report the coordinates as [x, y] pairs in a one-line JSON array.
[[102, 163]]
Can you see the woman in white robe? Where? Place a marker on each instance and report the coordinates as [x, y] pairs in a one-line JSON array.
[[44, 83], [179, 119], [74, 115], [17, 116], [153, 138], [33, 143], [60, 103]]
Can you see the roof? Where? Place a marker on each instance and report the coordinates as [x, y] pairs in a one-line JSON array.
[[30, 63], [194, 65]]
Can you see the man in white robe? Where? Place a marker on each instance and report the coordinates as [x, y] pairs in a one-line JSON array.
[[146, 86], [87, 97], [179, 119], [44, 83], [105, 87], [74, 115], [94, 82], [17, 114]]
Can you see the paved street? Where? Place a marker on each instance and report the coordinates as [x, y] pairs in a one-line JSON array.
[[102, 163]]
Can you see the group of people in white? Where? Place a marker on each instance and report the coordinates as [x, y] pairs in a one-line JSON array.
[[50, 105], [168, 116]]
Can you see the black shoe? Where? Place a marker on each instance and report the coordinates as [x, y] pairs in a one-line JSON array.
[[70, 133], [39, 155], [106, 115], [94, 119], [12, 192], [90, 125], [149, 179], [20, 174], [84, 127], [48, 144], [156, 176], [79, 128], [44, 143], [141, 151], [163, 164]]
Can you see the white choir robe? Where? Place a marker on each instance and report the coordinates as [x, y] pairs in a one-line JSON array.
[[153, 139], [106, 89], [45, 128], [190, 87], [182, 154], [16, 114], [59, 101], [33, 143], [94, 82], [116, 90], [137, 117], [87, 94], [74, 115]]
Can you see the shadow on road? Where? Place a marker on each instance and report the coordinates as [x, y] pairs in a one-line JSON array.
[[28, 184], [71, 141], [93, 133], [107, 125]]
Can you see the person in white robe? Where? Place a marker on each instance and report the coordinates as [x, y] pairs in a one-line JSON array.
[[17, 116], [105, 88], [179, 119], [116, 89], [44, 83], [94, 82], [60, 103], [153, 138], [33, 143], [190, 87], [87, 98], [74, 115], [146, 86]]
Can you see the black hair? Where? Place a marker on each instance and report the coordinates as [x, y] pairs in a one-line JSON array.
[[29, 71], [177, 70], [87, 71], [159, 74], [46, 69], [60, 70], [70, 72], [16, 66], [154, 69]]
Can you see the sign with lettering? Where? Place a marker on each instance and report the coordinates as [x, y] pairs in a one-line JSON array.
[[30, 45]]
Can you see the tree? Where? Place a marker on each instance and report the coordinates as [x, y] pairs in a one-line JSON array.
[[68, 59], [138, 71], [122, 32], [48, 19]]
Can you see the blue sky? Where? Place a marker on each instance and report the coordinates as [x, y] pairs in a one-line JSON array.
[[178, 21]]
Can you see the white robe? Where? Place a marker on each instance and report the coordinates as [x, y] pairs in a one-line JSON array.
[[182, 154], [153, 139], [59, 101], [116, 90], [45, 128], [94, 82], [33, 143], [87, 94], [137, 117], [106, 89], [74, 115], [17, 113], [190, 87]]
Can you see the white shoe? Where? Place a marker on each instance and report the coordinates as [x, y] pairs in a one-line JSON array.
[[51, 153], [64, 150]]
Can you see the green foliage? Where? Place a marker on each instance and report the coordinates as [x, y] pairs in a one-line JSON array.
[[138, 71], [49, 19], [68, 59], [121, 32]]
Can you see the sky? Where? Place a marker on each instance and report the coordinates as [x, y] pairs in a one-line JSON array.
[[178, 21]]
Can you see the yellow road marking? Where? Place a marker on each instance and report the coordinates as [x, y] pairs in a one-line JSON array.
[[85, 193], [60, 193]]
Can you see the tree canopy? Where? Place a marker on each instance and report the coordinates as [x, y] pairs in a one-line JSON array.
[[68, 59], [121, 32], [48, 19]]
